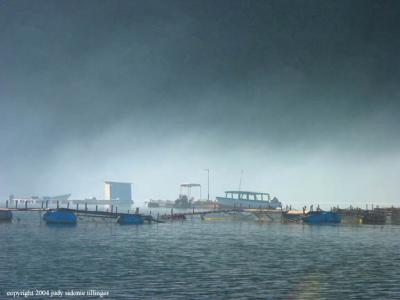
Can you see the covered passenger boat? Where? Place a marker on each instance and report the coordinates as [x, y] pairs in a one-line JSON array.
[[244, 199]]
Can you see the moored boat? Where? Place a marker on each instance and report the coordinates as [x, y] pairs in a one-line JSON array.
[[322, 217], [130, 219], [60, 217], [245, 199], [5, 215]]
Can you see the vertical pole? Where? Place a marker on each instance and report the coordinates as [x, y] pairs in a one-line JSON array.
[[208, 184], [16, 203], [193, 209], [26, 204], [7, 204], [58, 204], [172, 211], [77, 206], [116, 209], [68, 204], [137, 210], [41, 206], [112, 208], [85, 206], [96, 207], [150, 213]]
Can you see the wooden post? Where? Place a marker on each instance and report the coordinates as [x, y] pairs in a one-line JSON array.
[[116, 209], [26, 204], [96, 207], [58, 204], [68, 204], [16, 203], [41, 205], [85, 206], [77, 206], [7, 204]]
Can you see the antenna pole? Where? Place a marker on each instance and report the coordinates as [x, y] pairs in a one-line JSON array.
[[240, 182]]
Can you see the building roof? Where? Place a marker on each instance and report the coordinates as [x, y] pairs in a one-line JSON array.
[[118, 182]]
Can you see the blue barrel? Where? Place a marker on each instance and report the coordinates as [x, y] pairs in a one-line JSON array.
[[322, 218], [5, 216], [130, 219], [59, 217]]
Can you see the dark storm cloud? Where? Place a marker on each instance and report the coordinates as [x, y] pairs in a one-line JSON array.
[[286, 74]]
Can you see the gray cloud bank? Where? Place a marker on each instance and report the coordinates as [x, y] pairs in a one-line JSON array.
[[302, 95]]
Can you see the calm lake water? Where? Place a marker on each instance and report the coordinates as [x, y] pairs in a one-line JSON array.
[[201, 260]]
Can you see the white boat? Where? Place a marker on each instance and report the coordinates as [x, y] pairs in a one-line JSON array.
[[245, 199]]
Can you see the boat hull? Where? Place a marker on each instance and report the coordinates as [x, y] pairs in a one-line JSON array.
[[60, 217], [5, 216], [322, 218], [130, 220], [224, 202]]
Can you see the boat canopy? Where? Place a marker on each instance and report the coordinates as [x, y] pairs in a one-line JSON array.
[[190, 184], [248, 195]]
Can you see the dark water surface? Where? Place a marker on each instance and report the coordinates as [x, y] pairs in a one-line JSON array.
[[202, 260]]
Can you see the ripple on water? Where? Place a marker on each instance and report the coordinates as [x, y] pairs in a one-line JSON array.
[[202, 260]]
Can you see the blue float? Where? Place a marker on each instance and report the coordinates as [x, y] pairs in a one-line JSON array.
[[130, 219], [59, 217], [5, 216], [322, 217]]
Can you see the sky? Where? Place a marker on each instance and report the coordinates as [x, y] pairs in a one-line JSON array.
[[303, 96]]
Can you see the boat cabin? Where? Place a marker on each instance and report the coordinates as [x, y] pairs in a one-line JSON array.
[[247, 195]]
